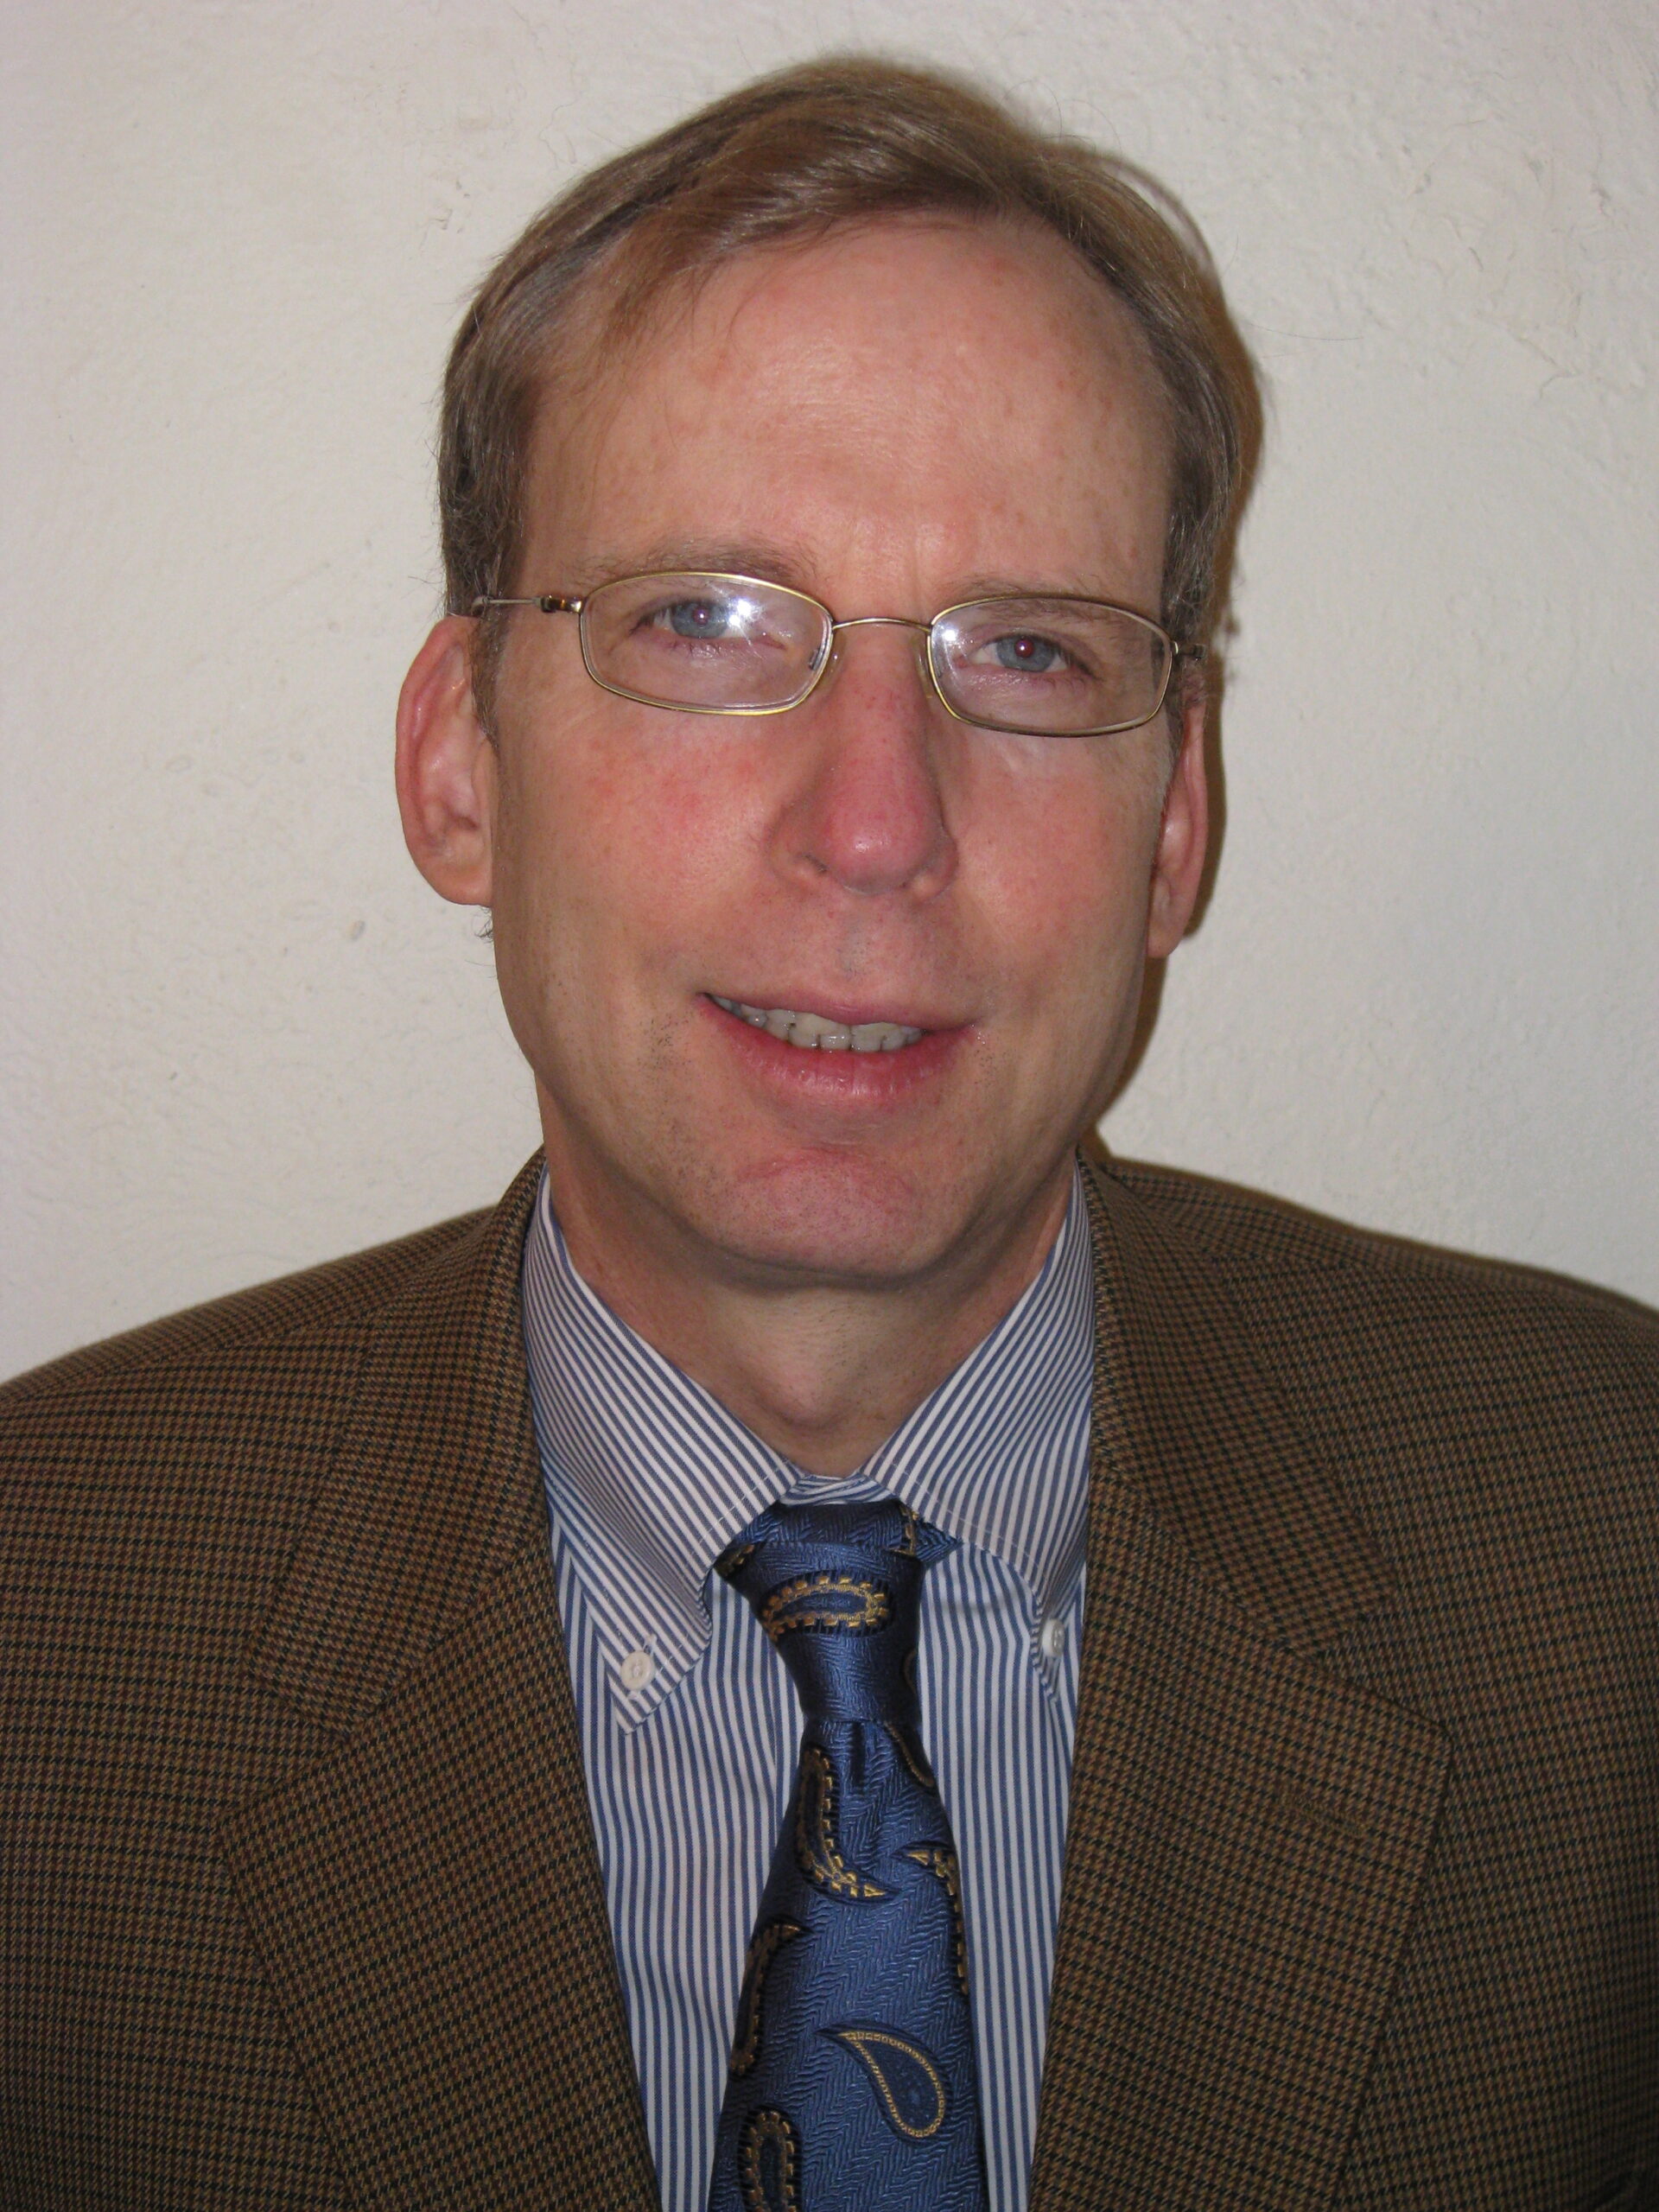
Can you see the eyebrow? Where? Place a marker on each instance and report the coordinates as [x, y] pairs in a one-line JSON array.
[[1053, 587], [770, 561]]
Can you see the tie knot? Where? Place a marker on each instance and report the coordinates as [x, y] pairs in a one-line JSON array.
[[838, 1590]]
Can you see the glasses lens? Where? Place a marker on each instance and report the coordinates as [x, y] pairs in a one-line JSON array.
[[718, 644], [1050, 667]]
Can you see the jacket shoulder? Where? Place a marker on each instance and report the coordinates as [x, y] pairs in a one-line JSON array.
[[1327, 1306], [1241, 1229], [337, 1298]]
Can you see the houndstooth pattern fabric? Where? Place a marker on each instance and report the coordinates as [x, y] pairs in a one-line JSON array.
[[302, 1907]]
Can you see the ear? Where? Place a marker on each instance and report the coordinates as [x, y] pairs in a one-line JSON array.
[[1183, 839], [447, 768]]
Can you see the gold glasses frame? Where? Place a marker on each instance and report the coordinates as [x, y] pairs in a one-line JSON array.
[[1175, 652]]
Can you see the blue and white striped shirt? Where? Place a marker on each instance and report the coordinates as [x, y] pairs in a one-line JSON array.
[[689, 1725]]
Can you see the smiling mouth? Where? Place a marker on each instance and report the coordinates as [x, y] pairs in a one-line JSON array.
[[817, 1033]]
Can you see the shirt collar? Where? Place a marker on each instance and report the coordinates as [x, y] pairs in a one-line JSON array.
[[650, 1478]]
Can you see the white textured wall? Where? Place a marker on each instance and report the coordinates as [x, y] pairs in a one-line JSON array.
[[239, 1035]]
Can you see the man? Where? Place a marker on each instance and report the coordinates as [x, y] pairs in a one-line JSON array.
[[401, 1808]]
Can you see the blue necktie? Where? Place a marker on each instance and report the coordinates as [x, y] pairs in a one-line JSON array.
[[852, 2086]]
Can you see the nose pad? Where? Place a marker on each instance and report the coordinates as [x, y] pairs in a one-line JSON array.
[[829, 662]]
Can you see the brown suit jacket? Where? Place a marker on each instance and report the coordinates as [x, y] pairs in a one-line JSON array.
[[302, 1906]]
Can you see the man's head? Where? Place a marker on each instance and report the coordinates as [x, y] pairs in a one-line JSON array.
[[892, 404], [843, 141]]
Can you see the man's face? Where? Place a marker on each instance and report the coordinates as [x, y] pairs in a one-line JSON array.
[[893, 420]]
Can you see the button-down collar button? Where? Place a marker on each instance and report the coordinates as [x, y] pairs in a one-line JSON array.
[[637, 1670], [1053, 1638]]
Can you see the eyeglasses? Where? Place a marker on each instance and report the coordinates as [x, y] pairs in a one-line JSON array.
[[1047, 665]]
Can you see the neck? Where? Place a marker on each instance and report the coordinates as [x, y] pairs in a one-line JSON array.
[[824, 1373]]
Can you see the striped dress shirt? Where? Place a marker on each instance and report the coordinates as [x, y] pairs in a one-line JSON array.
[[690, 1725]]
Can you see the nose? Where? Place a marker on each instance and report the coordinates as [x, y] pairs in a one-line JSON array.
[[866, 806]]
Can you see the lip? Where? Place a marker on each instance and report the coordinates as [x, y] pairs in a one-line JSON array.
[[849, 1080]]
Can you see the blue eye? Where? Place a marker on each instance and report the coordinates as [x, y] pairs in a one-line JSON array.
[[1027, 655], [699, 618]]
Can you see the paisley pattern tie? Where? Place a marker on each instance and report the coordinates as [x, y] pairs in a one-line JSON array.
[[852, 2086]]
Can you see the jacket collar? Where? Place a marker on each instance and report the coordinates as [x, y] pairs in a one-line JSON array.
[[1186, 1419], [433, 1485], [390, 1557]]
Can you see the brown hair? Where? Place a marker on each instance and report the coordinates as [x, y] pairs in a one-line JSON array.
[[795, 154]]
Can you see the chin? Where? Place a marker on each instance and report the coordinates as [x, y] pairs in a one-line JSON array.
[[839, 1219]]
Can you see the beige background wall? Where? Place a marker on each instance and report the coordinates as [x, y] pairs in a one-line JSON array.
[[239, 1036]]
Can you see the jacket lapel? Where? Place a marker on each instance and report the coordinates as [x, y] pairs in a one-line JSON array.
[[1248, 1831], [427, 1901]]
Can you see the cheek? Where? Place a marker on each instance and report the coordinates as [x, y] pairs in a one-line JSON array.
[[614, 843], [1067, 861]]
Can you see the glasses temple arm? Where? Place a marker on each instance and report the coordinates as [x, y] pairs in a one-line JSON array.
[[548, 602]]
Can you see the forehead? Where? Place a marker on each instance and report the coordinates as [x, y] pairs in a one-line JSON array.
[[956, 392]]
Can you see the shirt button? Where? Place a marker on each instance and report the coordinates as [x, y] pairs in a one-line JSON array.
[[1053, 1638], [637, 1670]]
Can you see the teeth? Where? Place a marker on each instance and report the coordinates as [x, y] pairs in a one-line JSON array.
[[814, 1031], [811, 1029]]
